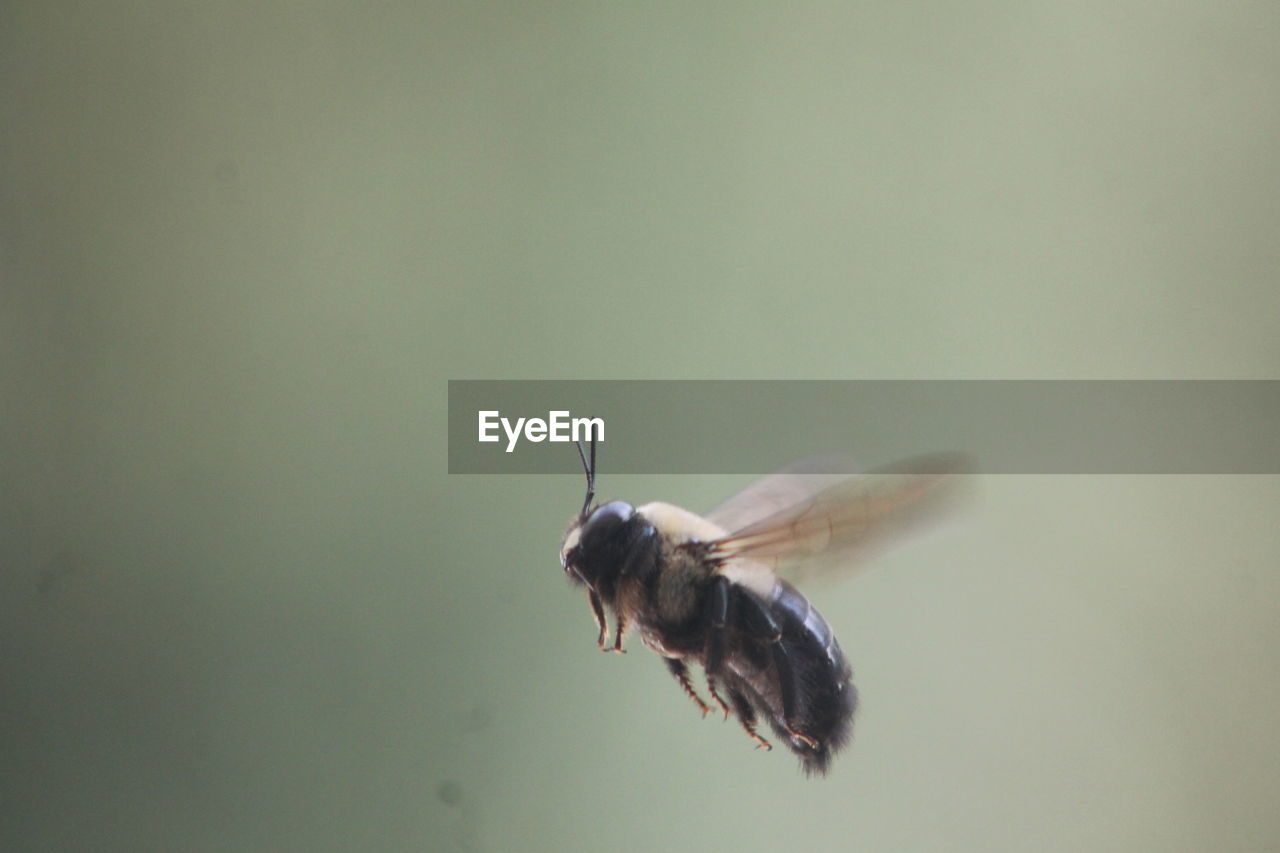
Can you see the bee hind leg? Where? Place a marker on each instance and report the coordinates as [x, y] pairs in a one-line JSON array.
[[681, 672], [756, 620], [722, 609], [747, 717], [711, 688], [719, 603], [787, 688]]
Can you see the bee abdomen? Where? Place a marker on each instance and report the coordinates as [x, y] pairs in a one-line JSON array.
[[806, 624], [825, 696]]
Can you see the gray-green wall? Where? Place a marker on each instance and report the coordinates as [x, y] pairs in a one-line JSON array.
[[243, 245]]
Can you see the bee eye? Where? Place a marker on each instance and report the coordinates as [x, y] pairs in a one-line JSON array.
[[603, 522]]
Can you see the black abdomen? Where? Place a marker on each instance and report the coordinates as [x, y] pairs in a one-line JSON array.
[[824, 697], [824, 688]]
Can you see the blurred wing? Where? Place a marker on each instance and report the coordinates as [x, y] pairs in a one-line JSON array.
[[786, 487], [825, 520]]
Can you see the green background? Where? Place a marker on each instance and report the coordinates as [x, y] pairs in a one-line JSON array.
[[244, 245]]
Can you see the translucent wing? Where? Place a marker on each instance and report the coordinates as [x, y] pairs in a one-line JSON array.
[[784, 488], [806, 519]]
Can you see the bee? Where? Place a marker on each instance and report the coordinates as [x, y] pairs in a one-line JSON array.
[[704, 590]]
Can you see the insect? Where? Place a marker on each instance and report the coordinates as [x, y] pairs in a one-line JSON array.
[[703, 590]]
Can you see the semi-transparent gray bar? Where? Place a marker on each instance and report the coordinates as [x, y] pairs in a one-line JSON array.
[[751, 427]]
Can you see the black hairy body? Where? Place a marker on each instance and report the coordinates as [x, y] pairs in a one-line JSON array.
[[702, 591], [768, 657]]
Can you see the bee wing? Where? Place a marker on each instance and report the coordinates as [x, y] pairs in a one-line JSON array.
[[806, 521], [784, 488]]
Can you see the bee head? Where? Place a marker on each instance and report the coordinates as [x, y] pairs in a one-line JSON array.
[[596, 548]]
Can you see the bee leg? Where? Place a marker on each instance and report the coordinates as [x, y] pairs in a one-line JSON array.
[[597, 610], [620, 625], [787, 688], [711, 688], [681, 672], [747, 716], [718, 603], [759, 622]]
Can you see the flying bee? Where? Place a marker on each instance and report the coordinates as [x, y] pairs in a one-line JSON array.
[[703, 590]]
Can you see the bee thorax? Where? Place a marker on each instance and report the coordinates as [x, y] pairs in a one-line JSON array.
[[679, 524]]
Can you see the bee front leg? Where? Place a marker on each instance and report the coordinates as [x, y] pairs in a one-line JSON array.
[[620, 625], [597, 610]]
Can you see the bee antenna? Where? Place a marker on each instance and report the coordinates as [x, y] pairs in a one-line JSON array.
[[590, 469]]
